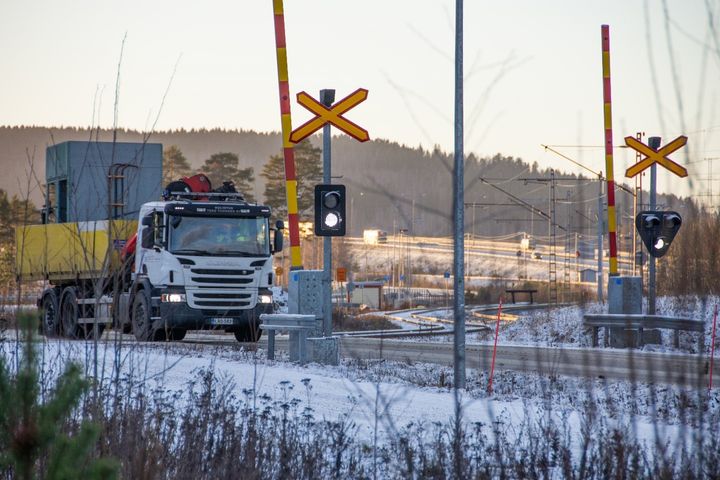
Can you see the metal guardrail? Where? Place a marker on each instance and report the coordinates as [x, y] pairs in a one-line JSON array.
[[297, 325], [639, 322]]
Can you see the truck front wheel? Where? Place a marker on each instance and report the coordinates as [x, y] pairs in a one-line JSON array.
[[250, 332], [141, 321]]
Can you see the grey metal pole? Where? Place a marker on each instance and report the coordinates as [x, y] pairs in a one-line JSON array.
[[600, 241], [654, 143], [327, 98], [651, 270], [458, 206]]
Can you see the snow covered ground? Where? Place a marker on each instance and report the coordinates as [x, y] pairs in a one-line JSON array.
[[378, 397], [562, 326], [381, 398]]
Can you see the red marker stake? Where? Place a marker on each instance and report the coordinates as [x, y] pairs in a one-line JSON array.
[[497, 331], [712, 346]]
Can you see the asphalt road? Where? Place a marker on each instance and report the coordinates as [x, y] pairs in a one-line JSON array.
[[611, 364], [604, 363]]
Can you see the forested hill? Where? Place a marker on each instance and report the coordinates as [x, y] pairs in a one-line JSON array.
[[17, 144], [390, 186]]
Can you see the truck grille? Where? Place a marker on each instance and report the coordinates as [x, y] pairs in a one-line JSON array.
[[217, 271], [224, 277], [220, 300], [212, 288], [223, 280]]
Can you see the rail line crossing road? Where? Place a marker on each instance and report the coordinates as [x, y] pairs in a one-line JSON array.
[[656, 156], [332, 115]]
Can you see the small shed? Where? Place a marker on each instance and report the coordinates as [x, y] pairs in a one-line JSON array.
[[367, 293], [588, 275]]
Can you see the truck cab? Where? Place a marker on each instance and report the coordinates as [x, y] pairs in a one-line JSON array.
[[201, 265]]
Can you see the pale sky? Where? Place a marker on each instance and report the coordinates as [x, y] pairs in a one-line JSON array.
[[532, 68]]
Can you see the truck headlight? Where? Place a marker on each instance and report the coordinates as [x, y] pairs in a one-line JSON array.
[[172, 297], [266, 299]]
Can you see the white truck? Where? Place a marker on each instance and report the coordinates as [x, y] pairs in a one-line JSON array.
[[195, 260]]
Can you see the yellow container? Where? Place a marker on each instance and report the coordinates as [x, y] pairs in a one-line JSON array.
[[67, 251]]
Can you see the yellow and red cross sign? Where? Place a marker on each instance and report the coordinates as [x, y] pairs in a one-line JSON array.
[[332, 115], [656, 156]]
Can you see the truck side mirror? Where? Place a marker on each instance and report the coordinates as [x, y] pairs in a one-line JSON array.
[[278, 239], [147, 220]]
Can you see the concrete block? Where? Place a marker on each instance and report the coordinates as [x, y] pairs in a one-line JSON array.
[[325, 350], [297, 347]]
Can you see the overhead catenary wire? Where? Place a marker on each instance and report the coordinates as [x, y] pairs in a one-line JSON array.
[[598, 173]]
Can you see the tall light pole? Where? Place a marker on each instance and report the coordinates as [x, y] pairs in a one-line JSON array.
[[327, 98], [458, 207]]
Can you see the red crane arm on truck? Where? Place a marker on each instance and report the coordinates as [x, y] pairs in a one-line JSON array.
[[199, 183]]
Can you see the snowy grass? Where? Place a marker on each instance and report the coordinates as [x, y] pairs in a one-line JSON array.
[[183, 410], [189, 411]]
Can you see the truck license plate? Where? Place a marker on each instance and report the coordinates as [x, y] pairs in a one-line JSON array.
[[222, 321]]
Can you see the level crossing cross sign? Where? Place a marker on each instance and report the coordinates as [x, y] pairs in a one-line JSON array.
[[656, 156], [332, 115]]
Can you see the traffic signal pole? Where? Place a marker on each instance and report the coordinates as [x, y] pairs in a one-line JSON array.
[[327, 97], [653, 142]]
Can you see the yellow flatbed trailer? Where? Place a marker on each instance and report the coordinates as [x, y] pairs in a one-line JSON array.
[[65, 252]]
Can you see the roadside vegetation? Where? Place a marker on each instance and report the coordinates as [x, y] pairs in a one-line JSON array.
[[126, 425], [347, 322]]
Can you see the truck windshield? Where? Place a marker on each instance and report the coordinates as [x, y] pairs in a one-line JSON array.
[[219, 236]]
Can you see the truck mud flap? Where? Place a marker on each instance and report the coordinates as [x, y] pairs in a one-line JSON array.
[[123, 314]]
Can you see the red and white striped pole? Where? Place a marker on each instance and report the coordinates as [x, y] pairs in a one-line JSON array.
[[497, 331], [288, 152], [607, 109]]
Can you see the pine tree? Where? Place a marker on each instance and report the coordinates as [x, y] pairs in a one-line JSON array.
[[308, 164], [7, 266], [274, 174], [175, 165], [245, 183], [223, 167], [14, 212], [308, 167], [31, 430], [6, 226]]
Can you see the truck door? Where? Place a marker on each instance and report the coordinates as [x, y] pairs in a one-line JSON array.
[[152, 241]]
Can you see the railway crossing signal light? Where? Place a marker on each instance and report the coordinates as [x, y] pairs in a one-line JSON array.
[[330, 210], [657, 230]]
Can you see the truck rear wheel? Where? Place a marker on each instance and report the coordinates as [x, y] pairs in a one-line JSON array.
[[50, 314], [141, 321], [69, 313]]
